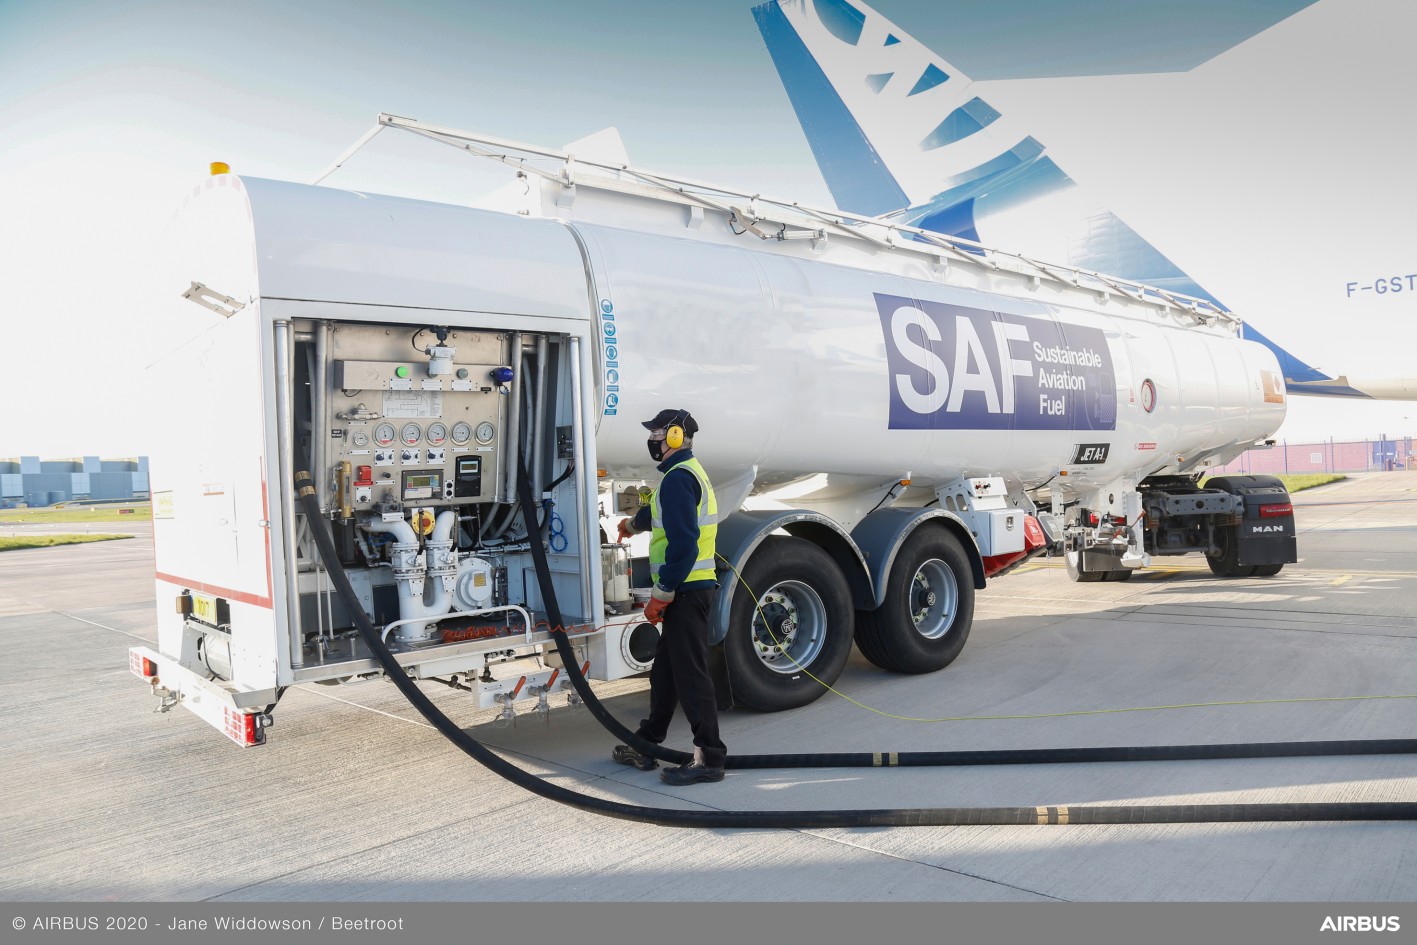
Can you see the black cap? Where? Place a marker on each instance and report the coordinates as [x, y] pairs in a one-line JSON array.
[[668, 418]]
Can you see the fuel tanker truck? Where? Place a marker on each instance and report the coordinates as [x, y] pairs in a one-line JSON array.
[[891, 419]]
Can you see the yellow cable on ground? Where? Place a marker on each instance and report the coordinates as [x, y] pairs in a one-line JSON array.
[[757, 605]]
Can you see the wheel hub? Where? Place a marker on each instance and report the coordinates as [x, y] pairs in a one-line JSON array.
[[933, 599], [788, 626]]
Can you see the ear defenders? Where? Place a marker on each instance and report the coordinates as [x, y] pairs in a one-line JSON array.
[[674, 433]]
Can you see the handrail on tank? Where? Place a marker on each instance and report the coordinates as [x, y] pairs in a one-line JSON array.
[[812, 222]]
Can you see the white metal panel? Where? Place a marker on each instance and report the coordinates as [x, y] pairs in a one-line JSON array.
[[322, 244]]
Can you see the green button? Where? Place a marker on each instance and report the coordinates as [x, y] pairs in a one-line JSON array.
[[401, 371]]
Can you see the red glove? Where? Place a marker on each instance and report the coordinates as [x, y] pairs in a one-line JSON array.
[[659, 602], [625, 529]]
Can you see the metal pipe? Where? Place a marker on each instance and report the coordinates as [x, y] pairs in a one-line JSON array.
[[349, 152], [512, 440], [319, 432], [585, 477], [285, 474], [544, 408]]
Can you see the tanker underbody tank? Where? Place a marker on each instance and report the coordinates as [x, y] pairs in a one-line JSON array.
[[890, 418]]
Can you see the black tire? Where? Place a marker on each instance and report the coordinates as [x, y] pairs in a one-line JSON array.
[[1123, 575], [1268, 570], [928, 610], [802, 601], [1072, 560], [1227, 563]]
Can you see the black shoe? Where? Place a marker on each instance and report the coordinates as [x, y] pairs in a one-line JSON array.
[[626, 755], [691, 773]]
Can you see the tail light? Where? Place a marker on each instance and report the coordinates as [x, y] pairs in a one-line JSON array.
[[141, 665], [244, 728], [1277, 510]]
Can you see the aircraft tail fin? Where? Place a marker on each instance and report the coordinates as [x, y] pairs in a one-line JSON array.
[[898, 131]]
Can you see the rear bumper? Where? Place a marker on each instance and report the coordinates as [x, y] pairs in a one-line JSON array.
[[238, 714]]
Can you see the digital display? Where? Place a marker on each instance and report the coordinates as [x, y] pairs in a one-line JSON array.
[[422, 485]]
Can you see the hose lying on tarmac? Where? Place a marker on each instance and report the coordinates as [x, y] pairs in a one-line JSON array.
[[887, 817]]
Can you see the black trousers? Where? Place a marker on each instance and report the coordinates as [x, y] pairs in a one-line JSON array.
[[680, 674]]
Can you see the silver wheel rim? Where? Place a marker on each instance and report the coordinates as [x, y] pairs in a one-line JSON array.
[[934, 599], [789, 627]]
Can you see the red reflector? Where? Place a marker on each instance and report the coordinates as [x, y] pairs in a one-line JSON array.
[[141, 666], [1277, 510], [1092, 518], [241, 727]]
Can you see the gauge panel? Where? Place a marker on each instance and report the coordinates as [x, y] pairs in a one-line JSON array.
[[414, 438]]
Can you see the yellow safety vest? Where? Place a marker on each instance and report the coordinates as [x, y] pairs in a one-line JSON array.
[[708, 527]]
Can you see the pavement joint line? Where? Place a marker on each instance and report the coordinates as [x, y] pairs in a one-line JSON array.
[[94, 623], [1288, 616], [941, 867], [367, 708], [326, 862]]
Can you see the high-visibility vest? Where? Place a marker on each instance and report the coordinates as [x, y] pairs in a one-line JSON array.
[[708, 527]]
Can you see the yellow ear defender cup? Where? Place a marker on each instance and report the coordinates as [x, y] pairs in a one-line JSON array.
[[674, 437]]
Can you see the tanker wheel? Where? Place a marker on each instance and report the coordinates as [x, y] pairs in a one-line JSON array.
[[1227, 563], [1267, 570], [785, 647], [1123, 575], [922, 624], [1072, 560]]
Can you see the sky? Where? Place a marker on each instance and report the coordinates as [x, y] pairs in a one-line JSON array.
[[1274, 172]]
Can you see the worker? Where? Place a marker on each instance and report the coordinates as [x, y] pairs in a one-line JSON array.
[[682, 517]]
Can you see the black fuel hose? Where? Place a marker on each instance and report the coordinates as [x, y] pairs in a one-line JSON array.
[[867, 759], [888, 817]]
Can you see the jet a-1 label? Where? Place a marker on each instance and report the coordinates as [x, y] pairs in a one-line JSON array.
[[1090, 454], [958, 368]]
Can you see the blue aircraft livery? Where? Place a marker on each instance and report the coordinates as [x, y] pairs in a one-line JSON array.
[[959, 368]]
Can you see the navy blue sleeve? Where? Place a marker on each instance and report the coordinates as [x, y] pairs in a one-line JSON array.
[[679, 497], [643, 520]]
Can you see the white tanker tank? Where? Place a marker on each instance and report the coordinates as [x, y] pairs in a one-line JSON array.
[[888, 418]]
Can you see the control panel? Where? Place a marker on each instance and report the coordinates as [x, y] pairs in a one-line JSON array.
[[419, 420]]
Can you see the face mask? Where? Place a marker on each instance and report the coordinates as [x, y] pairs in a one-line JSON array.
[[656, 449]]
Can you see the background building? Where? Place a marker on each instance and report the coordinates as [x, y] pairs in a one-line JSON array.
[[32, 481]]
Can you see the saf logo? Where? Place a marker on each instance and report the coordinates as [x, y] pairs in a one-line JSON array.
[[958, 368]]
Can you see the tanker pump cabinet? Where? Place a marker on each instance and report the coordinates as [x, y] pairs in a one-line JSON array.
[[888, 423]]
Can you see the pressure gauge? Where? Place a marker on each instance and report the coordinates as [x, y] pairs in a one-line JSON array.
[[462, 432], [485, 432], [411, 434], [1148, 395], [437, 434], [359, 438], [384, 434]]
